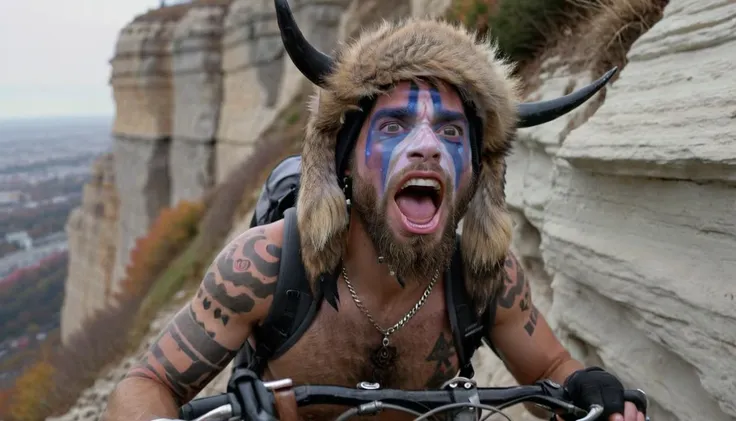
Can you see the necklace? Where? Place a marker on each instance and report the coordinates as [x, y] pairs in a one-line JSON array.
[[384, 356]]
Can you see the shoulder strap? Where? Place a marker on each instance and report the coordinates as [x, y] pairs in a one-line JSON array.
[[293, 307], [468, 329]]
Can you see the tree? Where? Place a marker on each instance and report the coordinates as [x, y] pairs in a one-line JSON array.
[[29, 401]]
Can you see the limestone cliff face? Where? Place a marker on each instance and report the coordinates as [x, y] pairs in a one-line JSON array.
[[624, 212], [626, 223], [92, 233]]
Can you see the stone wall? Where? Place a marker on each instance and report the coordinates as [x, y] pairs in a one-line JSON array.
[[626, 223], [92, 234]]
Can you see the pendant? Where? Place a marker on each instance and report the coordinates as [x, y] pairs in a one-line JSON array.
[[384, 357]]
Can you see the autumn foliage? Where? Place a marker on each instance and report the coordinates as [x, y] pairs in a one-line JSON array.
[[168, 236], [52, 384], [29, 401]]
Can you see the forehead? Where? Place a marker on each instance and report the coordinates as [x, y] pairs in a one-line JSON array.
[[423, 91]]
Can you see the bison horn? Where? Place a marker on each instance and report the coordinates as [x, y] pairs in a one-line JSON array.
[[536, 113], [311, 62]]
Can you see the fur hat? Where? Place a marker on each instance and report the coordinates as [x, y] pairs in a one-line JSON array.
[[371, 65]]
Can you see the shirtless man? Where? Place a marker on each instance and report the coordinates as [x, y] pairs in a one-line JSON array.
[[427, 150]]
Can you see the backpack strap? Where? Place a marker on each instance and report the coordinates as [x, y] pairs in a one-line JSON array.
[[292, 310], [468, 329]]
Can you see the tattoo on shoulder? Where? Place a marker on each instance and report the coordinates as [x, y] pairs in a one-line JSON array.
[[531, 324], [185, 357], [514, 284], [244, 266], [441, 355]]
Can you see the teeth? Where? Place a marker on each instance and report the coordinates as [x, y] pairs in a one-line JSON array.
[[422, 182]]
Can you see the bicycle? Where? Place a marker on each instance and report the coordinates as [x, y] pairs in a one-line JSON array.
[[248, 398]]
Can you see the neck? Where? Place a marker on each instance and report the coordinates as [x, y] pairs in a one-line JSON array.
[[363, 268]]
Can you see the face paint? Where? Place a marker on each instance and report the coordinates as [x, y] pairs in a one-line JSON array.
[[415, 125]]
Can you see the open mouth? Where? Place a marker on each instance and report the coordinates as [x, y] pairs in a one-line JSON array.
[[419, 199]]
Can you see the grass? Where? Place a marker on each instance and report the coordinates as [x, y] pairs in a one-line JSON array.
[[606, 37], [522, 29], [590, 34], [177, 275]]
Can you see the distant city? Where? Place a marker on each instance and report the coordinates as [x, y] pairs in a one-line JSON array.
[[43, 168]]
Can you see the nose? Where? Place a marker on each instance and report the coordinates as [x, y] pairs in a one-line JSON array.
[[425, 147]]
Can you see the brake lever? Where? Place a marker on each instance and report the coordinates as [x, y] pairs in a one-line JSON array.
[[255, 400], [593, 414]]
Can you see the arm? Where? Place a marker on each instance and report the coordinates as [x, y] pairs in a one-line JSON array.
[[205, 335], [522, 336]]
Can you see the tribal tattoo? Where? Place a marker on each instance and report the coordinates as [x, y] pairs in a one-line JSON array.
[[441, 355], [185, 357], [192, 349], [392, 130], [514, 282], [516, 285], [532, 323]]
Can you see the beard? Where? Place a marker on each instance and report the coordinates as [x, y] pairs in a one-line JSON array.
[[417, 257]]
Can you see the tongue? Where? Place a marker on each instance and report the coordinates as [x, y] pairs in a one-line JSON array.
[[418, 208]]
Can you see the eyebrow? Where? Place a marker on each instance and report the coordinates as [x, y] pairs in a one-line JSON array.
[[406, 113]]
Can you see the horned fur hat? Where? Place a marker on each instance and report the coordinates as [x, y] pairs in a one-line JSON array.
[[373, 64]]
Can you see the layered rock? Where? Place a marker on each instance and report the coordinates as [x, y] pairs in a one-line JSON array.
[[259, 79], [625, 223], [197, 94], [92, 236], [142, 88], [614, 206]]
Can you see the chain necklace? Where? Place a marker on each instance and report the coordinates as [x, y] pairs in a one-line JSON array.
[[384, 356]]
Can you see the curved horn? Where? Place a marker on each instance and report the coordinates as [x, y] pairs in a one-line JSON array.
[[313, 64], [536, 113]]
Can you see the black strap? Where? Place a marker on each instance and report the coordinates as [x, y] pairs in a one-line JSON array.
[[468, 330], [293, 307]]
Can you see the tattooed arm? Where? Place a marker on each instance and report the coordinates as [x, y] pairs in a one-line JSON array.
[[522, 336], [205, 335]]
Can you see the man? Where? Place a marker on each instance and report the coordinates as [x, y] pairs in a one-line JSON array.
[[407, 135]]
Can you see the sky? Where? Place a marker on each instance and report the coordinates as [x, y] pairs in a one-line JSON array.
[[54, 55]]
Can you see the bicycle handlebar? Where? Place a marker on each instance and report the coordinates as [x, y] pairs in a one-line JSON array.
[[367, 398]]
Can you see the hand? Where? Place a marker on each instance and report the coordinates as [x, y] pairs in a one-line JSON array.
[[594, 385]]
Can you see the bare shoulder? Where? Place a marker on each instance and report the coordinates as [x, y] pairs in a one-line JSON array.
[[242, 279], [515, 299], [234, 295]]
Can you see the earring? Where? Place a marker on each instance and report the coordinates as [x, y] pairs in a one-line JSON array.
[[347, 190]]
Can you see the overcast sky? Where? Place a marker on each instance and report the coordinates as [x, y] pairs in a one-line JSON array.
[[54, 55]]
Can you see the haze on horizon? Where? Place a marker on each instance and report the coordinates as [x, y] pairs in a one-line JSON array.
[[54, 55]]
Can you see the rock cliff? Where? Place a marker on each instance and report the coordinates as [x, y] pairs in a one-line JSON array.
[[623, 208], [625, 218], [92, 235]]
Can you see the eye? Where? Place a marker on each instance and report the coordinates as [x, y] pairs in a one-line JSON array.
[[452, 131], [391, 128]]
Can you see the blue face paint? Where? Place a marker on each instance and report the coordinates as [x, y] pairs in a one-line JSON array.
[[388, 142], [384, 144], [455, 147]]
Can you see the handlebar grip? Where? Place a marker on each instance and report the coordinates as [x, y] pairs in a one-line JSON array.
[[201, 406], [638, 398]]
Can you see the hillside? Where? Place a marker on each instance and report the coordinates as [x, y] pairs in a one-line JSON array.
[[622, 207]]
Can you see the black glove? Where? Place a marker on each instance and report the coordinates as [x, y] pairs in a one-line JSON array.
[[595, 386]]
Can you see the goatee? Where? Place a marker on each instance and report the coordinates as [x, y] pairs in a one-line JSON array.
[[414, 259]]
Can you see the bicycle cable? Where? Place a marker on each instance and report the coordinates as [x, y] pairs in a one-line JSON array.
[[378, 406], [494, 410]]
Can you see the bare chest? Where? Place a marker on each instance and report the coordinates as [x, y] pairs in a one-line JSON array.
[[343, 348]]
